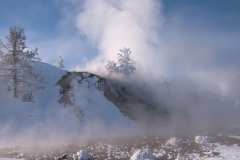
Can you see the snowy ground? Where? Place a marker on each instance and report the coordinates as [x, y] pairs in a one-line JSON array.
[[87, 114], [88, 111], [200, 147]]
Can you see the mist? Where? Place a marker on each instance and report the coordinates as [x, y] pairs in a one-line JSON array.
[[161, 44], [196, 57], [202, 64]]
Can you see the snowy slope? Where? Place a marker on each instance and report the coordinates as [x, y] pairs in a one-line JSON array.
[[91, 111], [77, 105]]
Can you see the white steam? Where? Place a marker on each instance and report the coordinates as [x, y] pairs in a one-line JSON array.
[[160, 44], [112, 25], [197, 59]]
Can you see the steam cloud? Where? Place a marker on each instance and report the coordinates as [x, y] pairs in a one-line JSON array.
[[195, 62], [198, 60], [112, 25], [159, 44]]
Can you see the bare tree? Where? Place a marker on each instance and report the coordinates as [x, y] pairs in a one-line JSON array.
[[166, 83], [16, 63]]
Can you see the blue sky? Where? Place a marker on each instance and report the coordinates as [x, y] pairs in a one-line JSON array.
[[198, 39], [40, 16], [44, 23]]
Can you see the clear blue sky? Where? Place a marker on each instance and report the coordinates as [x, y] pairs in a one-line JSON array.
[[50, 26]]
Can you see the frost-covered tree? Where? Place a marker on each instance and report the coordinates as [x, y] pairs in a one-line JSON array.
[[112, 67], [124, 65], [16, 65], [59, 62]]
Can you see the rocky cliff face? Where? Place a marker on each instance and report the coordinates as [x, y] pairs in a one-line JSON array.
[[131, 101]]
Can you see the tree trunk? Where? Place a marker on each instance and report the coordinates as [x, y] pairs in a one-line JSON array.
[[15, 84], [15, 70]]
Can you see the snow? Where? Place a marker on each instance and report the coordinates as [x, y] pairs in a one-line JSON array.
[[206, 151], [46, 116], [226, 152], [18, 118], [82, 155], [202, 139], [161, 153], [229, 152], [181, 158], [234, 136], [174, 141], [75, 157], [142, 154], [94, 104]]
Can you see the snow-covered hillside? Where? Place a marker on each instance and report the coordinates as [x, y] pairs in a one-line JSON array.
[[79, 106], [76, 106], [87, 112]]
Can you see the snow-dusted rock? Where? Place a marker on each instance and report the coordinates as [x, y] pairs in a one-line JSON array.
[[160, 154], [83, 155], [180, 158], [75, 156], [65, 156], [202, 139], [142, 154], [20, 156], [174, 141]]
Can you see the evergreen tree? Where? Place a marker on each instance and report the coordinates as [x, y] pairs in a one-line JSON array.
[[16, 64], [59, 62]]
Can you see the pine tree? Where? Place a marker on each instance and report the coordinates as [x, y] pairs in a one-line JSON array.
[[59, 62], [16, 64]]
